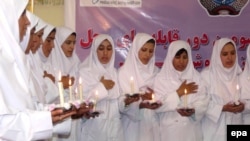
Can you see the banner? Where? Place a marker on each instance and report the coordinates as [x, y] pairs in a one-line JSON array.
[[200, 22]]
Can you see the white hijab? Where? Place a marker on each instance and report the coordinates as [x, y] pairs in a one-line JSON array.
[[44, 60], [168, 80], [245, 77], [66, 65], [133, 67], [33, 22], [92, 70], [223, 80], [11, 28], [14, 73]]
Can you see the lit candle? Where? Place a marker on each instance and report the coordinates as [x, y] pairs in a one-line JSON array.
[[95, 100], [80, 89], [153, 98], [185, 98], [236, 98], [70, 91], [132, 85], [60, 88]]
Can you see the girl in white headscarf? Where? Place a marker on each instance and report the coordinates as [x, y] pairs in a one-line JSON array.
[[21, 119], [64, 58], [177, 76], [14, 80], [43, 59], [222, 77], [99, 75], [138, 117], [245, 89]]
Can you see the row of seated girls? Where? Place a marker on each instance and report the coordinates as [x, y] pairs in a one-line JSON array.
[[136, 102]]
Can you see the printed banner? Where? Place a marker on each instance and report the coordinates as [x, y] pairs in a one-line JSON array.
[[110, 3], [200, 22]]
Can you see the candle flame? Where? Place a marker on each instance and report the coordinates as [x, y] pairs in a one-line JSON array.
[[80, 80], [70, 82]]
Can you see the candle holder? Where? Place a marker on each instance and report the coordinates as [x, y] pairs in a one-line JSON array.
[[189, 110], [156, 103], [67, 107], [93, 113], [134, 95]]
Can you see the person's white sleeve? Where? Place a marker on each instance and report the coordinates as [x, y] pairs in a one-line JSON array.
[[132, 111], [29, 125], [170, 102], [247, 107], [214, 111], [52, 94], [102, 92], [63, 128]]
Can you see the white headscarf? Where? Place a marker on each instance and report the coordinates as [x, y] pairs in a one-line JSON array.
[[168, 80], [11, 29], [47, 30], [93, 69], [223, 80], [245, 77], [67, 65], [14, 72], [33, 22], [133, 67]]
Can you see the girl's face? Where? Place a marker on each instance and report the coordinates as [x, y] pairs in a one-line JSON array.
[[228, 55], [69, 45], [37, 40], [48, 44], [104, 52], [23, 23], [146, 52], [180, 62]]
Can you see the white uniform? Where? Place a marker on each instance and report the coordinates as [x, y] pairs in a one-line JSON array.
[[138, 125], [67, 66], [221, 86], [20, 122], [107, 126], [173, 126], [245, 89]]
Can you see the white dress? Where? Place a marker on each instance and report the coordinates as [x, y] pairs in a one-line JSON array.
[[245, 89], [138, 124], [221, 86], [107, 126], [173, 126]]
